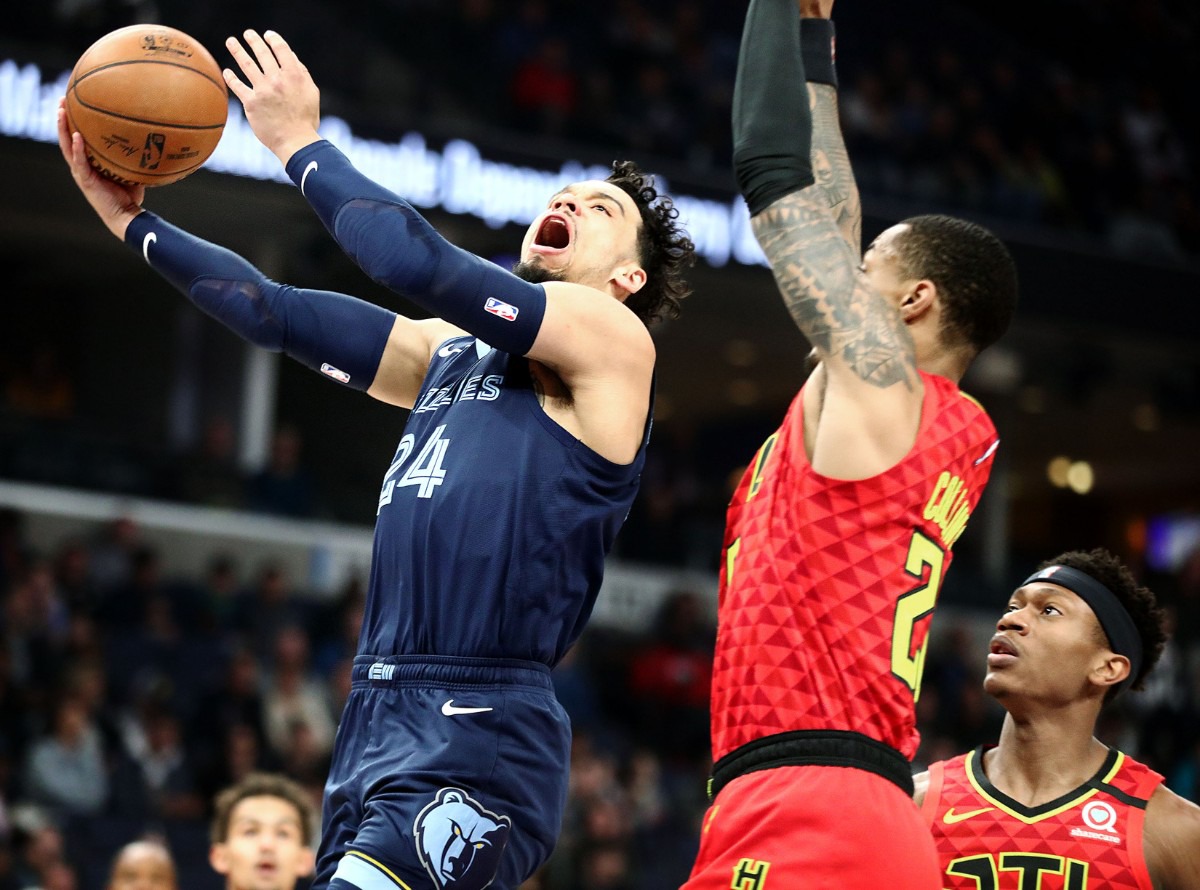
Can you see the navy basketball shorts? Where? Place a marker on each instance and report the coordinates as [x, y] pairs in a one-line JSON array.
[[447, 774]]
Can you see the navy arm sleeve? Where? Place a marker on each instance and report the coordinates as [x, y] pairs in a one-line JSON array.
[[398, 248], [340, 336]]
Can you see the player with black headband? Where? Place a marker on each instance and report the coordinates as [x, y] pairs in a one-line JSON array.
[[530, 399], [1050, 805]]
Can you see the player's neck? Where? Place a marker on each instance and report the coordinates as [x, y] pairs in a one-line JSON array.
[[1041, 759]]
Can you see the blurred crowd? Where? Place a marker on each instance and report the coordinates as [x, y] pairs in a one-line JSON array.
[[129, 697], [951, 106]]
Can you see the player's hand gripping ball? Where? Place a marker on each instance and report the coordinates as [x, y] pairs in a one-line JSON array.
[[150, 103]]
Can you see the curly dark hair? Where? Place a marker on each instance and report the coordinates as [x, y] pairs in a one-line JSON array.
[[1138, 601], [664, 249], [973, 270], [263, 785]]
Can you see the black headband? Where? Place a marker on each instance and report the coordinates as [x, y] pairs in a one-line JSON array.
[[1114, 618]]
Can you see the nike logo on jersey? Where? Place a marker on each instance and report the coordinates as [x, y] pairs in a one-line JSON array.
[[991, 450], [146, 242], [951, 817], [312, 165], [450, 349], [452, 710]]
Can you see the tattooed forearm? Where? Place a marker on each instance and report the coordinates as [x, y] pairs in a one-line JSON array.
[[831, 164], [839, 312]]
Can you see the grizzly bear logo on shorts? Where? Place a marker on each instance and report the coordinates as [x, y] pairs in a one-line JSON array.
[[459, 841]]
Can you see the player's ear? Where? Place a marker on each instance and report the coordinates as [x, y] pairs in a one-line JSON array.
[[919, 299], [629, 278], [1110, 670], [218, 858], [307, 863]]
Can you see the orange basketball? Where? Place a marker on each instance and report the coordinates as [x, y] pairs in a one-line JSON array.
[[149, 102]]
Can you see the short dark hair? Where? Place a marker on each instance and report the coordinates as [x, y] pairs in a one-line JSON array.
[[974, 273], [1138, 601], [262, 785], [664, 248]]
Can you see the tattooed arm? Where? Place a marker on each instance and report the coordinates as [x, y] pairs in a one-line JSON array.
[[863, 403], [862, 406], [830, 161], [831, 164]]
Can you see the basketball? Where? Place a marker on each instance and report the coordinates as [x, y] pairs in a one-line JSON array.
[[149, 102]]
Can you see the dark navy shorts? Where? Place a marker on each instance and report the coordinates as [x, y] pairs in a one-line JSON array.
[[448, 773]]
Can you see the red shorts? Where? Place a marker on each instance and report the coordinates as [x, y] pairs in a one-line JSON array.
[[814, 827]]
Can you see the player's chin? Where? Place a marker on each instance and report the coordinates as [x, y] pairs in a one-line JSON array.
[[535, 271], [997, 685]]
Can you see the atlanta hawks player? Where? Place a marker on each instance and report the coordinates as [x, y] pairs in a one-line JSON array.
[[1050, 806], [840, 532]]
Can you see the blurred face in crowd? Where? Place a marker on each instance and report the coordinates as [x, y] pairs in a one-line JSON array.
[[264, 848], [143, 866]]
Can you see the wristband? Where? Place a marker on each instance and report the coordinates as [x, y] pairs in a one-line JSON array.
[[818, 48]]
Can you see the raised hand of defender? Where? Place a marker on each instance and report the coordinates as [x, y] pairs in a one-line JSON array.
[[114, 203], [282, 103]]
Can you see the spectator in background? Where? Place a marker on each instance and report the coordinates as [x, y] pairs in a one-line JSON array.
[[67, 769], [260, 613], [670, 679], [295, 698], [143, 865], [262, 834], [111, 560], [211, 475], [283, 487]]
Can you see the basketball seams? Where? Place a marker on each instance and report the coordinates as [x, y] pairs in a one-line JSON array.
[[215, 81]]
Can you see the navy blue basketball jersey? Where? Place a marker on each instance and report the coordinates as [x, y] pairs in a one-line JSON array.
[[493, 521]]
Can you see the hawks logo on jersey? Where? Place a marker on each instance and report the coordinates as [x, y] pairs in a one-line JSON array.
[[1088, 839]]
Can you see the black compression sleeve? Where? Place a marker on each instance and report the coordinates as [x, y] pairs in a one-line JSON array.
[[772, 124]]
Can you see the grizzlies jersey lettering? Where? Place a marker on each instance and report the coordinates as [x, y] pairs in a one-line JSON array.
[[493, 521], [828, 586], [1088, 839]]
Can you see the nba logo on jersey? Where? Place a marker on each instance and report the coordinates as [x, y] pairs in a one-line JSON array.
[[336, 373], [507, 311]]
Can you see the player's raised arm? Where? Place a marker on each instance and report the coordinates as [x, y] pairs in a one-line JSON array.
[[579, 333], [830, 161], [350, 341], [873, 391]]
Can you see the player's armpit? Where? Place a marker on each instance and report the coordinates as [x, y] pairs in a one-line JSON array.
[[406, 358], [1171, 841]]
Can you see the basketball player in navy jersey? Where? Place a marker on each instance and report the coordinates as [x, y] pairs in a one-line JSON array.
[[530, 404], [1050, 798]]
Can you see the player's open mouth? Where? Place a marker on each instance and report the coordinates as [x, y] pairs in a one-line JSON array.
[[1001, 651], [554, 234]]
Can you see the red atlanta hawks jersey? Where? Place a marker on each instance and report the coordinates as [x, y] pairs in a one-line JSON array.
[[1088, 839], [828, 586]]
